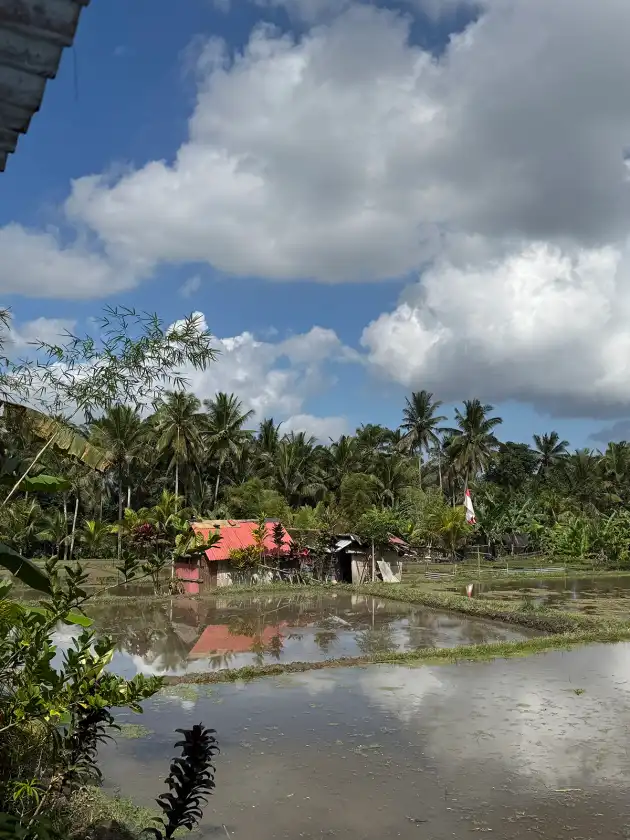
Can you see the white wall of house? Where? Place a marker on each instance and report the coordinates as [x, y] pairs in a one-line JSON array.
[[227, 576], [362, 565], [224, 573]]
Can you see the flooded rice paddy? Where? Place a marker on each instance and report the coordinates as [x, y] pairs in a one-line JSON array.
[[603, 595], [183, 636], [523, 748]]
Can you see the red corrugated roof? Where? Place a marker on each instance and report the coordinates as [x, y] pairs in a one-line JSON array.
[[216, 638], [239, 535]]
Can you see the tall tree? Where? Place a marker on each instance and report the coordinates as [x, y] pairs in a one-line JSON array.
[[225, 433], [122, 434], [297, 473], [549, 450], [421, 425], [581, 479], [474, 443], [179, 425], [513, 467], [615, 469], [341, 459]]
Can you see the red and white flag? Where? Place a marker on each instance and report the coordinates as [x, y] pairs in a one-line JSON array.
[[470, 511]]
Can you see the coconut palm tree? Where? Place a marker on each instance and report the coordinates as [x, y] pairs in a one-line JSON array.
[[582, 479], [473, 442], [340, 459], [615, 469], [393, 474], [179, 426], [225, 435], [549, 450], [421, 425], [122, 435], [268, 436], [297, 473], [93, 537], [372, 439]]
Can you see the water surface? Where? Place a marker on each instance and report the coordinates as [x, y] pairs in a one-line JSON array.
[[183, 636], [519, 749], [583, 594]]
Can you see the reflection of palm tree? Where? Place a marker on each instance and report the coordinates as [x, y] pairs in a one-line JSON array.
[[324, 639], [221, 660], [142, 630], [474, 633], [170, 650], [374, 641], [424, 630]]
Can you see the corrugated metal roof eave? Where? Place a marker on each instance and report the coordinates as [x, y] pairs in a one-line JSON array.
[[33, 35]]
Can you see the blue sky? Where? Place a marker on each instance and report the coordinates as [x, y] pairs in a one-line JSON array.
[[123, 99]]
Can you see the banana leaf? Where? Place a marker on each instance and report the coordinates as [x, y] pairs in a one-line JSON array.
[[66, 439], [45, 484], [24, 570]]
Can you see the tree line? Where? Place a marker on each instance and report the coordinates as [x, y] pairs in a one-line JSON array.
[[214, 461]]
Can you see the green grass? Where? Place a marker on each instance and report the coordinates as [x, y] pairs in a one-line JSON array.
[[91, 812], [180, 691], [132, 731]]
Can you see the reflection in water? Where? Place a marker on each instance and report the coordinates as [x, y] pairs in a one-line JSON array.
[[184, 636], [583, 594], [505, 747]]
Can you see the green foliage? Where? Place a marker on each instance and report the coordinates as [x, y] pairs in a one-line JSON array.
[[378, 525], [252, 498], [24, 570], [448, 529], [158, 537], [45, 484], [190, 782], [423, 509], [65, 709], [513, 467], [576, 537], [359, 492], [94, 537]]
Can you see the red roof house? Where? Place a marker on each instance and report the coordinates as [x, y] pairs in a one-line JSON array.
[[235, 534], [238, 533]]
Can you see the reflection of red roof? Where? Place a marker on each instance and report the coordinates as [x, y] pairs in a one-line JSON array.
[[216, 638], [239, 534]]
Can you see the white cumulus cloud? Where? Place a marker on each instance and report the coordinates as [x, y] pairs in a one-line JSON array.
[[495, 172], [323, 429], [541, 325], [276, 379]]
